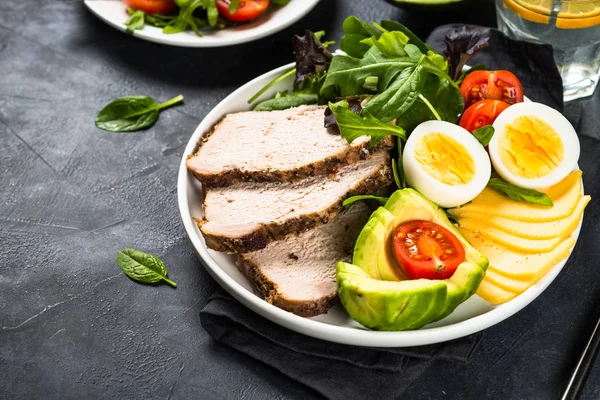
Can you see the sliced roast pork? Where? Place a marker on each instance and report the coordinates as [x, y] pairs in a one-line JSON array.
[[247, 216], [297, 274], [273, 146]]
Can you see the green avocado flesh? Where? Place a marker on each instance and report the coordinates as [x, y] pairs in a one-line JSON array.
[[374, 290]]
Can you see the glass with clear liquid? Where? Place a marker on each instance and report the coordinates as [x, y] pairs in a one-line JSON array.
[[571, 27]]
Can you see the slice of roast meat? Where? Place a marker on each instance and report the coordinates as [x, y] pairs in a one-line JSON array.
[[297, 274], [247, 216], [274, 146]]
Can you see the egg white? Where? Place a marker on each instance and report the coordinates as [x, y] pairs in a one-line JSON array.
[[557, 122], [446, 195]]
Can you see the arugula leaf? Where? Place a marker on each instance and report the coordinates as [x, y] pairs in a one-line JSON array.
[[353, 126], [143, 267], [518, 194], [438, 60], [484, 134], [136, 21], [349, 202], [186, 19], [462, 44], [355, 31], [281, 2], [391, 44], [400, 166], [131, 113], [354, 104]]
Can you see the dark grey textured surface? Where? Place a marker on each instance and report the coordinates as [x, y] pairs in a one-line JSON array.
[[73, 326]]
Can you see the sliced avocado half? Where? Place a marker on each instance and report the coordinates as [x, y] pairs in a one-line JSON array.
[[374, 290], [432, 5]]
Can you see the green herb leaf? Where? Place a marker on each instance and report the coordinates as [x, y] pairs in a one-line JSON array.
[[518, 194], [390, 44], [355, 31], [398, 167], [349, 202], [353, 126], [233, 6], [281, 2], [136, 21], [484, 134], [143, 267], [412, 38], [283, 102], [131, 113]]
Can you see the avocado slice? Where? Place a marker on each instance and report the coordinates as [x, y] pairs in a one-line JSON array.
[[375, 291], [432, 5]]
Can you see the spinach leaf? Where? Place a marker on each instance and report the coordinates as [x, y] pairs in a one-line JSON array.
[[399, 96], [518, 194], [462, 44], [131, 113], [349, 202], [136, 21], [284, 101], [484, 134], [412, 38], [143, 267], [353, 126], [391, 44], [355, 31]]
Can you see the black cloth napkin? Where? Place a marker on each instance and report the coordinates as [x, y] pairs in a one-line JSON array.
[[345, 372]]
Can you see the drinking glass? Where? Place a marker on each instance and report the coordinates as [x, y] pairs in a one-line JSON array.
[[572, 27]]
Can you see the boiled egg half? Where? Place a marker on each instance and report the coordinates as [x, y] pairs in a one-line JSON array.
[[534, 146], [445, 163]]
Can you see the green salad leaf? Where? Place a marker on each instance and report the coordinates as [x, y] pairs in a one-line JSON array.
[[355, 31], [519, 194], [143, 267], [412, 38], [136, 21], [353, 126], [131, 113], [484, 134], [349, 202]]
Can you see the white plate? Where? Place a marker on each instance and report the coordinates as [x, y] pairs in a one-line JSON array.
[[472, 316], [113, 12]]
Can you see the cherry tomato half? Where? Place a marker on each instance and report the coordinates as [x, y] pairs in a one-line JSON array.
[[426, 250], [498, 85], [152, 6], [482, 113], [247, 9]]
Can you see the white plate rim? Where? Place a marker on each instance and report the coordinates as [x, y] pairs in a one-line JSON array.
[[189, 39], [321, 330]]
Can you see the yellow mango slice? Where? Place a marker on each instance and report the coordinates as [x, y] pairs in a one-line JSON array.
[[494, 294], [532, 230], [565, 195], [515, 264], [511, 241]]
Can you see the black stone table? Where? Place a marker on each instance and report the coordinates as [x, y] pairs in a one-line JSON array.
[[72, 326]]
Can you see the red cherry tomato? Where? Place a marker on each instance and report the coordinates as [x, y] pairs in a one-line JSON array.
[[426, 250], [482, 113], [152, 6], [247, 9], [498, 85]]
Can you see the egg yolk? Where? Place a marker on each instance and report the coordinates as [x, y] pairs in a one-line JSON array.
[[444, 159], [530, 148]]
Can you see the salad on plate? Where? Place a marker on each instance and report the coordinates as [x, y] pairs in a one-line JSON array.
[[175, 16], [391, 178]]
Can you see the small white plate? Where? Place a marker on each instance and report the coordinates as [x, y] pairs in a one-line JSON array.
[[114, 13], [472, 316]]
